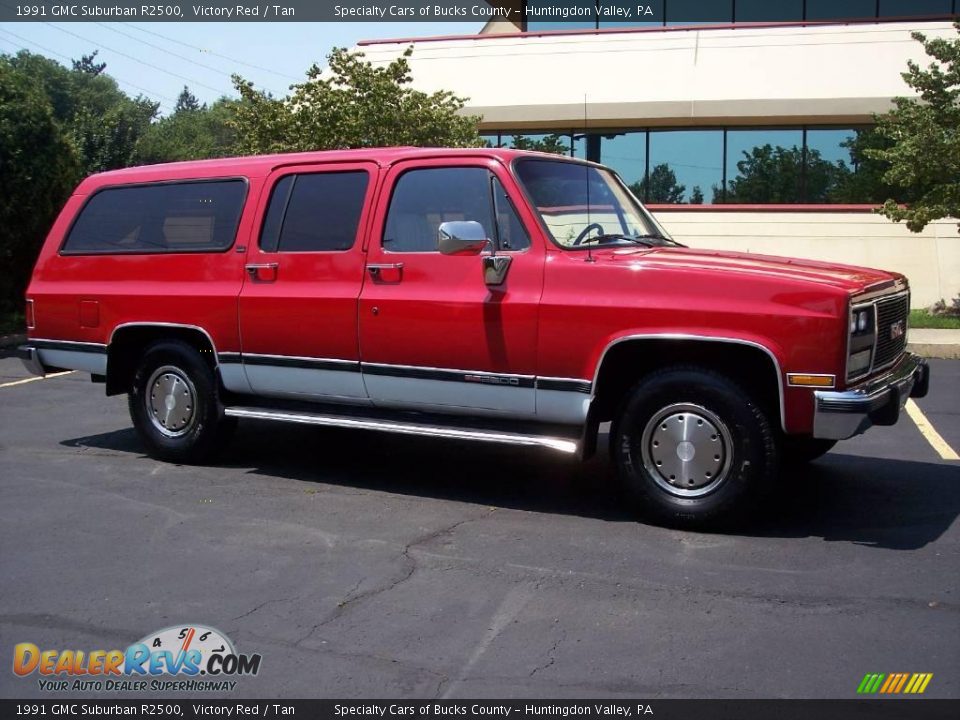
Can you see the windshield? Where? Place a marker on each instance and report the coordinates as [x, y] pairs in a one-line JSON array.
[[583, 206]]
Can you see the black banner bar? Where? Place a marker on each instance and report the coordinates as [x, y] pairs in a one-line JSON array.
[[200, 709], [467, 11]]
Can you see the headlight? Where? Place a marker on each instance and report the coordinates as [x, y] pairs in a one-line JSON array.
[[862, 337]]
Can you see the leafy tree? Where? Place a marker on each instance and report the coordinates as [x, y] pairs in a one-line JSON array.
[[696, 196], [770, 174], [549, 144], [661, 188], [39, 168], [924, 139], [352, 104], [87, 64], [102, 121], [188, 134], [187, 101]]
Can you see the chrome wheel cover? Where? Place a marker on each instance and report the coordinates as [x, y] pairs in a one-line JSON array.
[[171, 401], [687, 450]]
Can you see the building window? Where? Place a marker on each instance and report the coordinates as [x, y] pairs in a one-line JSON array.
[[766, 11], [685, 166], [841, 9], [558, 143], [764, 166], [915, 8], [627, 154], [692, 12]]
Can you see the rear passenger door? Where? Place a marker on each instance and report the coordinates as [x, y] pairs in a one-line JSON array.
[[304, 271]]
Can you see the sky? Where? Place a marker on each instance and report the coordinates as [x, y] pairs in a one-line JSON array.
[[158, 59]]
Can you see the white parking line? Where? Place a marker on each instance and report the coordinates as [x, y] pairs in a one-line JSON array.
[[930, 433], [34, 379]]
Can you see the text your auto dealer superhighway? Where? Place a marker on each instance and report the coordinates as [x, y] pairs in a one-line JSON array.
[[478, 10]]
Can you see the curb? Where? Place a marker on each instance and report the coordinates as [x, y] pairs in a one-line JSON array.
[[940, 351], [11, 341]]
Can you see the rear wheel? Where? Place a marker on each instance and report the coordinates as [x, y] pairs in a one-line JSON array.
[[691, 446], [174, 404]]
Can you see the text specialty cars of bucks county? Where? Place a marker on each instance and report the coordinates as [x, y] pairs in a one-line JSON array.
[[489, 295]]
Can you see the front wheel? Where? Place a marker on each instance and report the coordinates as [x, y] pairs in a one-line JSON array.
[[175, 406], [692, 447]]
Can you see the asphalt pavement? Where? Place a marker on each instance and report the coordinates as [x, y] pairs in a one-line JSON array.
[[362, 565]]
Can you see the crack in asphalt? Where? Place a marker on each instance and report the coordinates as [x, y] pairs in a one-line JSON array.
[[551, 654], [351, 601]]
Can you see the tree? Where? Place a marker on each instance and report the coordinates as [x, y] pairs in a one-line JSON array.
[[770, 174], [924, 139], [87, 64], [39, 168], [187, 101], [696, 196], [548, 144], [101, 121], [189, 135], [661, 188], [353, 104]]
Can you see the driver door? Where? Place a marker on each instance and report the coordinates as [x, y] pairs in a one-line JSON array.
[[433, 335]]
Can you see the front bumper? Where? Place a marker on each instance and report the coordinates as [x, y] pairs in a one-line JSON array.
[[840, 415]]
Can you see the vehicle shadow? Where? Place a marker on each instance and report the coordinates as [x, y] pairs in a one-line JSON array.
[[875, 502]]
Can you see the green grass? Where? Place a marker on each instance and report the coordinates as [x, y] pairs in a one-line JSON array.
[[921, 319]]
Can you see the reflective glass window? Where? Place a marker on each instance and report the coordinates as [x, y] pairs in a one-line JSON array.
[[764, 166], [685, 166], [767, 11]]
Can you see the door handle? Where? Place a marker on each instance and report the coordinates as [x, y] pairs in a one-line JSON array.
[[386, 272], [254, 270]]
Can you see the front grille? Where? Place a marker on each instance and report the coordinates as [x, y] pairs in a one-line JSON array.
[[890, 312]]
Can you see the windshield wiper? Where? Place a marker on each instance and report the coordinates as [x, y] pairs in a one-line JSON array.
[[646, 240]]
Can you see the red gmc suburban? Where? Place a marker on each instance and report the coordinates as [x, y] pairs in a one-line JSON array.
[[487, 295]]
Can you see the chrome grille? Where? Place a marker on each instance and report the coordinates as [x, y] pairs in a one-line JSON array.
[[890, 312]]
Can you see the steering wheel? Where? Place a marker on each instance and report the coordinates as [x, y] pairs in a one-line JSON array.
[[586, 231]]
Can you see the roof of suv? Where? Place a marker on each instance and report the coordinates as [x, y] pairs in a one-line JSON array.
[[260, 165]]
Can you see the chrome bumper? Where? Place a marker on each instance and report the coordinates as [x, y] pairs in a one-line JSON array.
[[840, 415], [30, 359]]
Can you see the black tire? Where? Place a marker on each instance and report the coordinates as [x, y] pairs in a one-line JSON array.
[[190, 426], [713, 419], [800, 450]]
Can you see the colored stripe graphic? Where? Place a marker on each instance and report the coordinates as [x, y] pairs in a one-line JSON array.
[[894, 683]]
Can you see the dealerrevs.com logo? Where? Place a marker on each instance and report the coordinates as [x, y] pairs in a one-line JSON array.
[[188, 658]]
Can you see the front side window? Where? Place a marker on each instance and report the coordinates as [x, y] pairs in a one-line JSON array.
[[583, 205], [314, 212], [424, 198], [159, 218]]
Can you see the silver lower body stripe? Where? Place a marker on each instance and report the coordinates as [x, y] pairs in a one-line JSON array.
[[450, 433]]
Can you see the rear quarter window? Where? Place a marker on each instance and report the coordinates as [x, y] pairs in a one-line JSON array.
[[200, 216]]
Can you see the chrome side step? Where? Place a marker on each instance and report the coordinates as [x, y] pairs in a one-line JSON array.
[[405, 428]]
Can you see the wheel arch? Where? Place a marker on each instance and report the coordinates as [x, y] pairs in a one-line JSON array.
[[129, 340], [627, 358]]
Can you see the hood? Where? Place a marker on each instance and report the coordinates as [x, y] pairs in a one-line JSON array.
[[850, 278]]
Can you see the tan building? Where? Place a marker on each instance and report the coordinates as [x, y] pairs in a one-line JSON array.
[[751, 110]]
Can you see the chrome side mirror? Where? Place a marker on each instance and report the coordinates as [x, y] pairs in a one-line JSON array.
[[461, 237]]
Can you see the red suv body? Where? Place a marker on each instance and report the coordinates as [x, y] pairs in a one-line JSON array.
[[484, 294]]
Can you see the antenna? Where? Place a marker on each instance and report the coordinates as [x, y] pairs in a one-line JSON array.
[[586, 173]]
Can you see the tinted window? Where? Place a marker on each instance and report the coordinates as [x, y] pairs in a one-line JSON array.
[[314, 213], [422, 199], [167, 218], [510, 231]]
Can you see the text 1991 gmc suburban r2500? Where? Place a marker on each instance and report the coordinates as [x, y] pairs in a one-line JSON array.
[[485, 294]]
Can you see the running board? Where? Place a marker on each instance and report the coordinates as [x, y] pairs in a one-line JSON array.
[[405, 428]]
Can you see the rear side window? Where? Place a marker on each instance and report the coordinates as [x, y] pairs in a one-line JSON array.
[[161, 218], [314, 212]]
